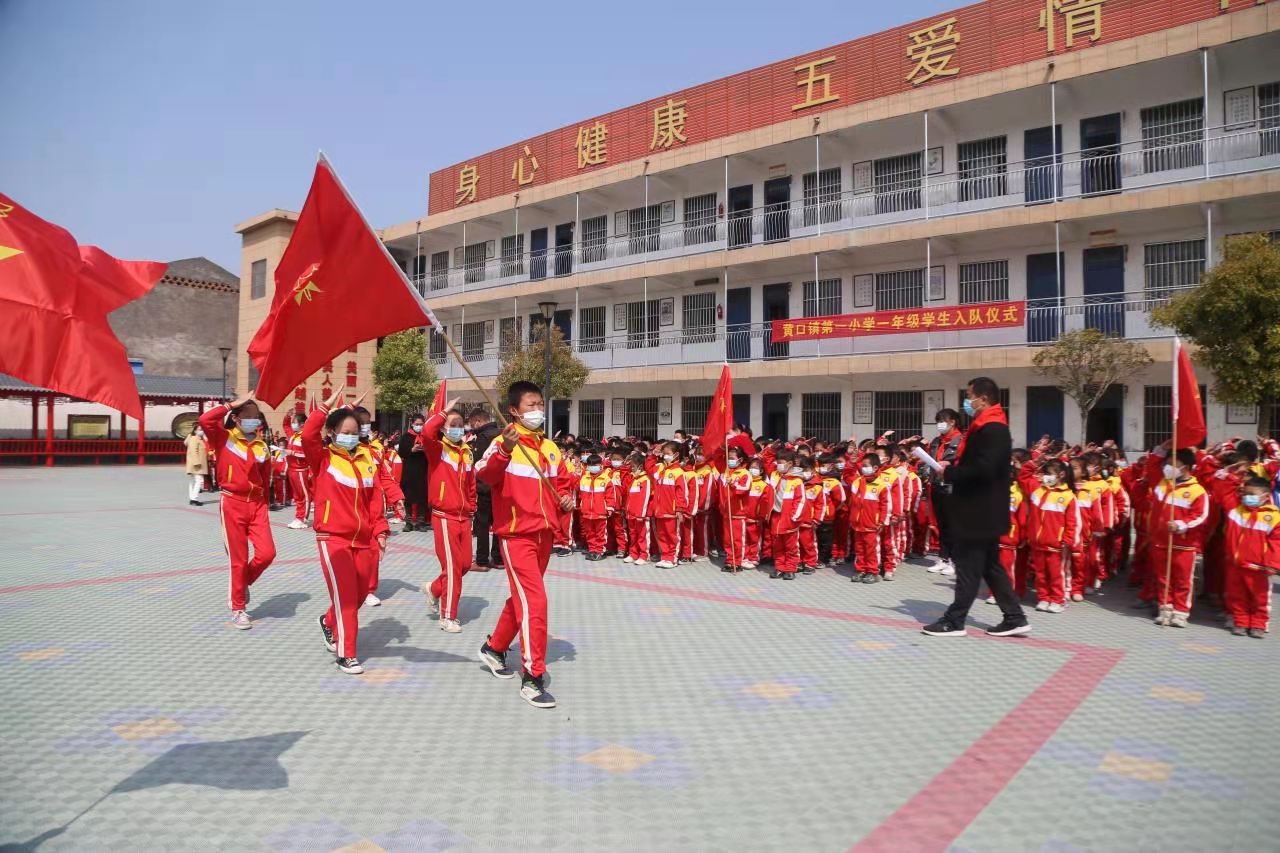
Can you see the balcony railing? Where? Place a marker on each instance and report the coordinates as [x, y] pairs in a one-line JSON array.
[[981, 185], [1115, 314]]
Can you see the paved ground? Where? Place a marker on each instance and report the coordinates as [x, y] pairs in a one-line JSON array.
[[698, 710]]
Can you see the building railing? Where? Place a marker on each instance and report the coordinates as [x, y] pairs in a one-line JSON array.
[[986, 183], [1115, 314]]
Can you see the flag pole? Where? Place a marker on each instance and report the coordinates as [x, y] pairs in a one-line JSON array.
[[731, 551], [1168, 558]]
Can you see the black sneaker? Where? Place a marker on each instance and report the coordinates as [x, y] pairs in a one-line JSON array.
[[409, 527], [532, 691], [1010, 628], [726, 568], [870, 577], [943, 628], [775, 574], [1257, 633], [807, 570], [330, 644], [351, 666], [195, 503], [788, 576], [496, 661]]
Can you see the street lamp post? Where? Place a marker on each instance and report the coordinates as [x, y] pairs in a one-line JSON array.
[[548, 310], [226, 353]]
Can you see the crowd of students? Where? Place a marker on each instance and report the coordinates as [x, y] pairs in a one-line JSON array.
[[1078, 516]]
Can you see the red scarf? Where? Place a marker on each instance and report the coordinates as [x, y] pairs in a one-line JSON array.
[[990, 415]]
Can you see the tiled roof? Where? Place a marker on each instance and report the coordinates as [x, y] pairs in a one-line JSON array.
[[201, 272], [148, 386]]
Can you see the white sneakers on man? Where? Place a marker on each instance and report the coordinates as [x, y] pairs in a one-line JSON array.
[[946, 568]]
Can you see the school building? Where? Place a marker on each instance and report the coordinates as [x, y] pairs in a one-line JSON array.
[[860, 230]]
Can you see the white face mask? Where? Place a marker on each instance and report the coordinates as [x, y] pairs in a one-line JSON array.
[[533, 419], [594, 469], [824, 470], [668, 458], [756, 472], [839, 466], [806, 475], [1170, 472], [784, 467], [1049, 479], [867, 470], [943, 427], [615, 463]]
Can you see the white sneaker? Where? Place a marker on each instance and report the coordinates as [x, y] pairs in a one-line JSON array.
[[372, 600], [747, 564], [642, 562], [1178, 620], [936, 567], [628, 560], [432, 602], [450, 626], [297, 524], [664, 564], [888, 576], [1042, 606], [991, 599], [948, 570], [351, 666], [394, 520], [1055, 608], [241, 621], [696, 559], [1163, 617]]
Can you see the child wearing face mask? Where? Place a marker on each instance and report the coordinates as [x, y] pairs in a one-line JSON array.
[[704, 479], [845, 471], [595, 505], [298, 473], [671, 502], [759, 507], [451, 490], [814, 508], [573, 468], [1252, 536], [732, 489], [788, 515], [869, 514], [833, 500], [692, 487], [619, 482], [1176, 518], [351, 527], [244, 472], [391, 493], [911, 489], [413, 477], [639, 509], [1053, 525]]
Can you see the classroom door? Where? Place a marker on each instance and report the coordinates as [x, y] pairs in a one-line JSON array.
[[1106, 421], [1044, 412], [740, 201], [1104, 290], [1100, 154], [777, 306], [742, 409], [564, 248], [738, 325], [538, 253], [774, 415], [777, 209], [1040, 178], [1044, 297]]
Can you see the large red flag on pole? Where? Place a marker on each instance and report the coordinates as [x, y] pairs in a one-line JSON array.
[[719, 421], [55, 296], [336, 286], [437, 405], [1188, 417]]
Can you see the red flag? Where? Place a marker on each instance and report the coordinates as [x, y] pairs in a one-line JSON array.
[[437, 405], [719, 421], [336, 286], [54, 300], [1188, 417]]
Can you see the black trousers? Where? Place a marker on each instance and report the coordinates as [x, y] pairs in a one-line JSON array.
[[939, 499], [977, 562], [488, 549], [824, 535]]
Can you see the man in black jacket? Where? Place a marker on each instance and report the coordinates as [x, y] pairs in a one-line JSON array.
[[979, 507], [488, 550]]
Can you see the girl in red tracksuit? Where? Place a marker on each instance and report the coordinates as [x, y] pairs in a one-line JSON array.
[[1052, 531], [1176, 518], [451, 493], [619, 482], [759, 504], [1012, 538], [788, 513], [299, 474], [350, 524], [244, 476], [692, 487], [733, 488], [1252, 534], [814, 508], [670, 502], [639, 510], [869, 512], [595, 505]]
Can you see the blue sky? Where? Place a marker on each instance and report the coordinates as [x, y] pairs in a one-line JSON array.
[[151, 128]]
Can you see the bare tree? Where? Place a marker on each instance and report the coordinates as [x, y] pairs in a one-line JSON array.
[[1083, 364]]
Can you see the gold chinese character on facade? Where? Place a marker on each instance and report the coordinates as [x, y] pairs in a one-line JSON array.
[[668, 124], [1080, 17], [592, 145], [468, 180], [813, 78], [788, 329], [932, 49], [518, 173]]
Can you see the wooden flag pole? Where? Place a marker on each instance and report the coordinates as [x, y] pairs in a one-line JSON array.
[[1173, 456]]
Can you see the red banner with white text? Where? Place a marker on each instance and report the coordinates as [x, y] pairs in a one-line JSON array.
[[990, 315]]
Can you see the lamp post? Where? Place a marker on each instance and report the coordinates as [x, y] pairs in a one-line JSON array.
[[548, 310], [226, 353]]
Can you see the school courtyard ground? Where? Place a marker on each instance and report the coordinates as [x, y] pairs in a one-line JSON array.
[[698, 710]]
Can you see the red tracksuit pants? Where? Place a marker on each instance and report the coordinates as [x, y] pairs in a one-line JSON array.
[[300, 484], [840, 532], [525, 612], [617, 541], [786, 550], [1050, 583], [347, 572], [701, 537], [866, 549], [755, 535], [1248, 597], [1008, 556], [889, 546], [594, 533], [563, 532], [686, 537], [453, 550], [734, 537], [668, 533], [245, 523], [1177, 593], [808, 545], [638, 535], [1021, 570]]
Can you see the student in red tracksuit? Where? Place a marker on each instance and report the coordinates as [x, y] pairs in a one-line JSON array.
[[391, 493], [692, 490], [451, 492], [814, 507], [298, 472], [759, 504], [893, 484], [1175, 521], [527, 510], [350, 525], [833, 503], [704, 478], [841, 527], [1253, 547], [570, 473], [1012, 538], [596, 504], [1053, 528], [619, 483], [869, 511], [733, 488], [1084, 560], [638, 510], [244, 475], [788, 513], [670, 502]]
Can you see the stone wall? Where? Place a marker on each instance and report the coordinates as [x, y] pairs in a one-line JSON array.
[[176, 329]]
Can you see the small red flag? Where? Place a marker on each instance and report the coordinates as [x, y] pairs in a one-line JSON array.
[[55, 296], [719, 421], [1188, 417], [437, 405], [336, 286]]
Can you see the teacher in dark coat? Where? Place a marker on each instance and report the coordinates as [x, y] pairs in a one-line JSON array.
[[979, 506]]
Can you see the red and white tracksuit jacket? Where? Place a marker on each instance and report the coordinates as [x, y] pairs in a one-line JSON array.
[[815, 507], [451, 493], [1253, 545], [788, 515], [349, 521], [639, 511], [595, 505], [1186, 503], [869, 512], [526, 514], [759, 504], [733, 489], [704, 480], [299, 477], [670, 496], [1012, 538], [244, 474], [619, 481], [1053, 525]]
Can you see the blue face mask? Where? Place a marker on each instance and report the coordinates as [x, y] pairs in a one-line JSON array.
[[346, 442], [455, 433], [1252, 501], [249, 426], [967, 405], [734, 463]]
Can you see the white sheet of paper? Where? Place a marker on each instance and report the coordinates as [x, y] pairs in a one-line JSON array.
[[923, 455]]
